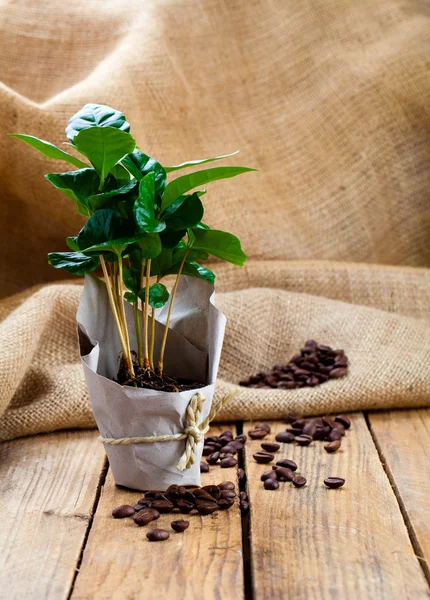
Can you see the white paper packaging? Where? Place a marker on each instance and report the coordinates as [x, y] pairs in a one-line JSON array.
[[193, 352]]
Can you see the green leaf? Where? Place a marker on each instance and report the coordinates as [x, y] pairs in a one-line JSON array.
[[192, 163], [162, 263], [96, 115], [117, 246], [72, 244], [149, 245], [73, 262], [130, 297], [104, 147], [144, 207], [103, 226], [77, 185], [170, 238], [194, 270], [99, 200], [121, 175], [183, 184], [49, 149], [184, 212], [158, 295], [220, 244], [139, 165]]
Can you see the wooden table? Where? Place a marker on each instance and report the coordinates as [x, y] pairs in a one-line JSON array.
[[368, 540]]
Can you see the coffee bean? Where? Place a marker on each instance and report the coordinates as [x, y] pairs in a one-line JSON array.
[[229, 449], [257, 434], [285, 462], [211, 438], [213, 490], [310, 428], [145, 516], [339, 372], [287, 385], [263, 426], [157, 535], [263, 457], [284, 437], [204, 468], [225, 503], [334, 434], [334, 482], [226, 485], [208, 450], [270, 446], [303, 440], [120, 512], [180, 525], [284, 474], [241, 476], [294, 431], [268, 475], [299, 423], [271, 484], [212, 459], [244, 507], [293, 417], [227, 433], [343, 421], [184, 506], [329, 421], [163, 506], [237, 445], [207, 508], [339, 427], [332, 446], [228, 462], [299, 481], [241, 438], [227, 494]]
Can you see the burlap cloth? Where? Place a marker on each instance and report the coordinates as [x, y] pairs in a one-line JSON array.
[[328, 98]]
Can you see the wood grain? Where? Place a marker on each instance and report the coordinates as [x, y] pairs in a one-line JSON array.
[[203, 562], [314, 543], [48, 488], [403, 438]]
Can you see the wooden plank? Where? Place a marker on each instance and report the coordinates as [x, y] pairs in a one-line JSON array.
[[203, 562], [315, 543], [403, 439], [49, 486]]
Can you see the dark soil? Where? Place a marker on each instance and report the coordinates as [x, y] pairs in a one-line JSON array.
[[146, 378]]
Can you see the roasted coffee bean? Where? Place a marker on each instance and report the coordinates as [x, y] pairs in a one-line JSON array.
[[212, 459], [283, 474], [145, 502], [339, 427], [145, 516], [226, 485], [293, 417], [237, 445], [270, 446], [207, 508], [153, 495], [335, 434], [321, 432], [329, 421], [157, 535], [286, 462], [125, 510], [138, 507], [243, 496], [241, 476], [229, 449], [241, 438], [180, 525], [208, 450], [334, 482], [287, 385], [268, 475], [263, 426], [338, 372], [343, 420], [299, 423], [213, 490], [228, 462], [299, 481], [204, 467], [184, 506], [303, 440], [211, 438], [225, 503], [163, 506], [271, 484], [244, 507], [227, 494], [263, 457], [310, 428], [284, 437], [294, 431], [332, 446], [257, 434]]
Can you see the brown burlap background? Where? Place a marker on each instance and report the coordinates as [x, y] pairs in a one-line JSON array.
[[328, 98]]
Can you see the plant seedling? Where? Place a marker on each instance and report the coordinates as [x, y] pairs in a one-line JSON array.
[[139, 229]]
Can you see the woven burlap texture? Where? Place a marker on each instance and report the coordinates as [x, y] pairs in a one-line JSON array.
[[328, 98]]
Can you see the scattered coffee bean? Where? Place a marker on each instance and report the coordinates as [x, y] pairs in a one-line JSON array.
[[270, 446], [334, 482], [332, 446], [229, 449], [212, 459], [138, 507], [285, 437], [244, 507], [206, 508], [120, 512], [271, 484], [334, 434], [157, 535], [163, 506], [241, 476], [204, 467], [257, 434], [225, 503], [285, 462], [180, 525], [294, 431], [344, 421], [226, 485], [284, 474], [184, 506], [263, 426], [208, 450], [299, 481], [263, 457], [144, 502], [303, 440], [337, 373], [268, 475], [145, 516], [228, 462], [241, 438]]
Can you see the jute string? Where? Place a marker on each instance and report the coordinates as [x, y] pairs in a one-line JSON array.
[[193, 432]]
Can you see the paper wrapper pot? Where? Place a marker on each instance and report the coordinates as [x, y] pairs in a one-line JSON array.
[[193, 352]]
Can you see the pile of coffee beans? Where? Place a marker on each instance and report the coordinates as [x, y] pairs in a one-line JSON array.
[[314, 365], [325, 429], [222, 450]]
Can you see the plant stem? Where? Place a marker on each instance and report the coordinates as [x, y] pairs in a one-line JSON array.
[[152, 339], [122, 310], [116, 316], [138, 328], [169, 314], [146, 362], [142, 273]]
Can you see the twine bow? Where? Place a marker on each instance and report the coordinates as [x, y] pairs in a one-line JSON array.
[[192, 433]]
